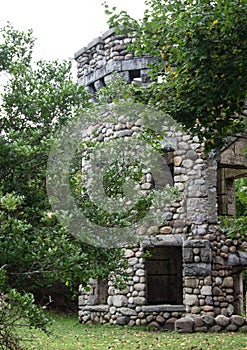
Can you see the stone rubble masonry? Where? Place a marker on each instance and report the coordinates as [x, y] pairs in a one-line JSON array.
[[195, 323], [211, 259], [108, 54]]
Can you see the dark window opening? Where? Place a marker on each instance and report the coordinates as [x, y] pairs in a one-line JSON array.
[[164, 174], [134, 74], [164, 276], [102, 291], [226, 190]]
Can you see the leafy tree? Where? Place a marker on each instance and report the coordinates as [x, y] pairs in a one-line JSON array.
[[39, 97], [201, 65]]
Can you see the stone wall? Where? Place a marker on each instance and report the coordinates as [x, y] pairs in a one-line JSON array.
[[128, 306], [194, 175], [194, 323], [208, 255]]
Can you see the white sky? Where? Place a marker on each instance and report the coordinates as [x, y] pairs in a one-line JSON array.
[[62, 27]]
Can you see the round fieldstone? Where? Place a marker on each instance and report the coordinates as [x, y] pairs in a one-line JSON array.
[[123, 320], [227, 282], [128, 253], [160, 319], [141, 315], [197, 259], [177, 161], [188, 163], [110, 300], [191, 155], [217, 291], [150, 318], [216, 328], [191, 299], [136, 279], [139, 254], [184, 325], [238, 320], [208, 320], [140, 272], [218, 281], [165, 230], [209, 300], [183, 146], [133, 261], [222, 320], [131, 300], [112, 310], [231, 328], [139, 301], [139, 287]]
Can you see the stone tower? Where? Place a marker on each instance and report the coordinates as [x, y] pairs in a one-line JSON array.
[[194, 269]]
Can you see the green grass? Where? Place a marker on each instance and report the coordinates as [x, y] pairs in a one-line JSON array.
[[68, 334]]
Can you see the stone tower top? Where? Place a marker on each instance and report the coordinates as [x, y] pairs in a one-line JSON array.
[[108, 54]]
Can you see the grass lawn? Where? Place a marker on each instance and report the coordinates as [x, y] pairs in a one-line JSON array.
[[68, 334]]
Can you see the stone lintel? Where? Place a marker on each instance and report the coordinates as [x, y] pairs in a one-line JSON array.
[[164, 240], [96, 308], [233, 156], [114, 66], [163, 308]]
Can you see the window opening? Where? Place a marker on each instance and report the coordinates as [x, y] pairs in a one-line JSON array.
[[164, 275]]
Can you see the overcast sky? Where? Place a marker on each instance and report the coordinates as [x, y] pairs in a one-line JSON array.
[[62, 27]]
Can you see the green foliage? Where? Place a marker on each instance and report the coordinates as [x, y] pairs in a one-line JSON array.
[[235, 228], [241, 196], [18, 310], [115, 176], [35, 251], [116, 90], [200, 47], [15, 48]]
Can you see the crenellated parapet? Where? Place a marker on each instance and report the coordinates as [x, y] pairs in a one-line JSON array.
[[107, 54]]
